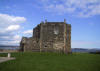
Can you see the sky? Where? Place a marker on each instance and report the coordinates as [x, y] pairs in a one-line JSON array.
[[19, 17]]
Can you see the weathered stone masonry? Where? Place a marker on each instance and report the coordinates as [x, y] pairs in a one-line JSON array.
[[49, 37]]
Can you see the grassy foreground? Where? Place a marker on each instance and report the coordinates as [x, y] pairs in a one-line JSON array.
[[52, 62]]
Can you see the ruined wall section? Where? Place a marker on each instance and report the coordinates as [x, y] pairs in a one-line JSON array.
[[23, 44], [36, 32], [29, 44], [32, 43]]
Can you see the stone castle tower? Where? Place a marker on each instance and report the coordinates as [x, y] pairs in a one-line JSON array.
[[49, 37]]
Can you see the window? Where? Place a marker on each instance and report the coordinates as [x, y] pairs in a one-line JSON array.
[[45, 46]]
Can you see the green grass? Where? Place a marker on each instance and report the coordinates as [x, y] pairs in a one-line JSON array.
[[52, 62]]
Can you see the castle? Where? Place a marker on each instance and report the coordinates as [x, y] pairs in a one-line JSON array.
[[49, 37]]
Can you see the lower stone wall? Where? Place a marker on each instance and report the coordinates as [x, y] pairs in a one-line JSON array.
[[8, 50], [31, 45]]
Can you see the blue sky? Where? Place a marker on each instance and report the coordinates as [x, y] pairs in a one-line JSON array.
[[19, 17]]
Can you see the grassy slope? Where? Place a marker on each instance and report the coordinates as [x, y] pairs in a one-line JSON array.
[[52, 62]]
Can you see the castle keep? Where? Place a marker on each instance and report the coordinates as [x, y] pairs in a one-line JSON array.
[[49, 37]]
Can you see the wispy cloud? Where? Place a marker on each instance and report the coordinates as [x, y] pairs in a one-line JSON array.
[[80, 8], [28, 33]]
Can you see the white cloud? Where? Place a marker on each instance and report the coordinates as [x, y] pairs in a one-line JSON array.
[[13, 27], [10, 40], [8, 19], [10, 22], [9, 27], [15, 42], [81, 8], [28, 32], [4, 37]]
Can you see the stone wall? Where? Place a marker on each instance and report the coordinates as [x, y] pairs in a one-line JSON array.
[[49, 36], [52, 34]]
